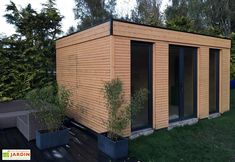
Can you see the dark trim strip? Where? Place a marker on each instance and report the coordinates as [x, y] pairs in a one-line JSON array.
[[159, 27], [72, 122], [150, 85], [181, 81], [195, 81], [124, 21], [111, 26], [217, 79]]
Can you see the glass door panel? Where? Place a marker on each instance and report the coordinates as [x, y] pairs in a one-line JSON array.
[[188, 82], [174, 83], [182, 82], [214, 81], [141, 76]]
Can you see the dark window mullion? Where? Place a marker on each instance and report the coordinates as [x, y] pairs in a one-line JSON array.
[[195, 82], [150, 114], [217, 79], [181, 82]]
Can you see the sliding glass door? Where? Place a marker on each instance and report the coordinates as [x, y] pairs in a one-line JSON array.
[[214, 81], [182, 82]]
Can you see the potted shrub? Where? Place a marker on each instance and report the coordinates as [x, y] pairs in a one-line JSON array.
[[120, 113], [50, 104]]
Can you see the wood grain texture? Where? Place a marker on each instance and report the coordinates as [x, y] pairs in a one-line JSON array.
[[203, 82], [98, 31], [83, 68], [87, 59], [122, 67], [144, 32], [161, 85], [224, 80]]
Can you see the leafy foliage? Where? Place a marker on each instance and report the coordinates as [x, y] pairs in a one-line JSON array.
[[147, 12], [120, 112], [50, 104], [185, 15], [214, 17], [180, 23], [207, 16], [27, 58], [232, 65], [91, 12]]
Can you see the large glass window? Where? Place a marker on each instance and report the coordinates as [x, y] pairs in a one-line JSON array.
[[141, 77], [213, 81], [174, 83], [188, 82], [182, 82]]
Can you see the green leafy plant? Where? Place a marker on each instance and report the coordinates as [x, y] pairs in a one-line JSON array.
[[50, 104], [27, 57], [232, 64], [120, 111]]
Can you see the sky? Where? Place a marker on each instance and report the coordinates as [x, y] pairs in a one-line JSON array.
[[66, 9]]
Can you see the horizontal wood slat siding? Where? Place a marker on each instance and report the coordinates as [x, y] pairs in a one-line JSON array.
[[225, 80], [66, 71], [122, 54], [161, 80], [86, 35], [122, 67], [144, 32], [161, 85], [87, 59], [203, 100], [83, 68]]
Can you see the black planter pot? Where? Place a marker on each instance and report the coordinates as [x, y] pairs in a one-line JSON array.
[[115, 149], [45, 139]]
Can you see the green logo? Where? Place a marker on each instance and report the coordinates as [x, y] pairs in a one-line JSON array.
[[5, 154]]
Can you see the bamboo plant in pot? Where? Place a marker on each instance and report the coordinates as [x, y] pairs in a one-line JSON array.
[[50, 104], [120, 113]]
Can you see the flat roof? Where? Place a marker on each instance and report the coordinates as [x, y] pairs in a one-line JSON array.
[[140, 24]]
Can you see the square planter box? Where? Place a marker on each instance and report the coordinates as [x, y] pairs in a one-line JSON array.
[[45, 139], [115, 149]]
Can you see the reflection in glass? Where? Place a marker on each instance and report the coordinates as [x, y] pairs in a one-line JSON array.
[[139, 79], [174, 83], [213, 82], [182, 81], [188, 82]]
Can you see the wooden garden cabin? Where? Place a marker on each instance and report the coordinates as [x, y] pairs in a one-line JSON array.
[[187, 74]]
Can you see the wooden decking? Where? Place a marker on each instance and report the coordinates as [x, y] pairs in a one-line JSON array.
[[81, 148]]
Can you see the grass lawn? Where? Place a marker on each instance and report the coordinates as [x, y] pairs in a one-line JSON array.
[[208, 140]]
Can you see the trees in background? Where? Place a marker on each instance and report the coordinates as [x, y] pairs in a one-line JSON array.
[[204, 16], [218, 16], [147, 12], [91, 12], [214, 17], [185, 15], [27, 58]]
